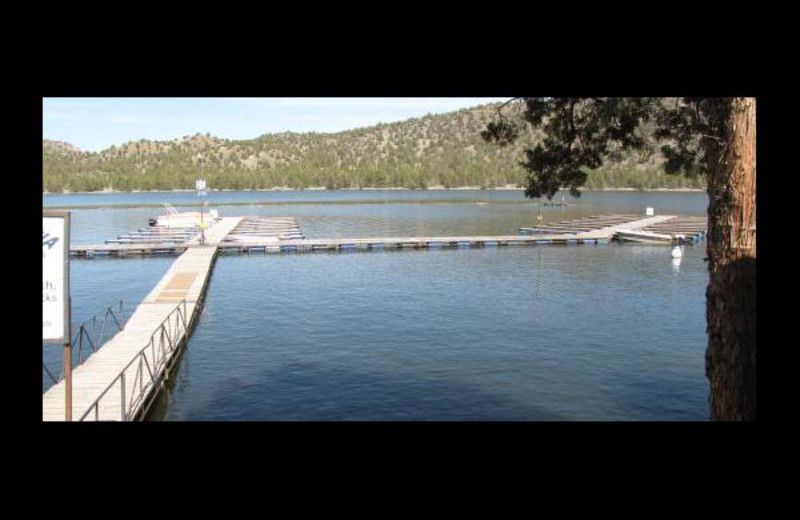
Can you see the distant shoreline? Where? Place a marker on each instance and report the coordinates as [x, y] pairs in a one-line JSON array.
[[320, 188]]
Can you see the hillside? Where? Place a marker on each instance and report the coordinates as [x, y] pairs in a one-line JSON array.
[[435, 150], [60, 147]]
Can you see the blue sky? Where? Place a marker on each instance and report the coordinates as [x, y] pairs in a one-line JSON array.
[[94, 124]]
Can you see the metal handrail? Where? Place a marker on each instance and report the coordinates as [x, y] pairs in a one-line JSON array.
[[164, 341], [83, 332], [52, 377]]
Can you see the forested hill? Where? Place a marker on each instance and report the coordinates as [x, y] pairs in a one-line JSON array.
[[436, 150]]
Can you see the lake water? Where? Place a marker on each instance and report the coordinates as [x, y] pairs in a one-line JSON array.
[[610, 332]]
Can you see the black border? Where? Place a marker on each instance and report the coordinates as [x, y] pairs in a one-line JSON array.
[[443, 77]]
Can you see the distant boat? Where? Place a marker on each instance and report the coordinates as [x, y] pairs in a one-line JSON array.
[[189, 219]]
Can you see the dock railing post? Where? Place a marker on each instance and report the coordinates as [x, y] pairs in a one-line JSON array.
[[68, 381], [122, 396]]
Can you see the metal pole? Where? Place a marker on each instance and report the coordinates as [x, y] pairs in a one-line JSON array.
[[539, 216], [202, 226], [68, 381], [68, 324], [122, 397]]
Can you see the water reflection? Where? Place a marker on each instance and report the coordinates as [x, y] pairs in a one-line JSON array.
[[550, 333]]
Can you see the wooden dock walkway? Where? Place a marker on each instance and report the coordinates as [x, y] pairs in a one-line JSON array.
[[120, 380], [218, 231]]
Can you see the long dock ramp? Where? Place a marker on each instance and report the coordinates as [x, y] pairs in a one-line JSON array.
[[120, 381]]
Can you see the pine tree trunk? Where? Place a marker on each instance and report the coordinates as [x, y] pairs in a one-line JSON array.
[[731, 293]]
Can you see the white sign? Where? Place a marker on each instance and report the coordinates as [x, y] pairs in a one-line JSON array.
[[200, 184], [55, 271], [650, 212]]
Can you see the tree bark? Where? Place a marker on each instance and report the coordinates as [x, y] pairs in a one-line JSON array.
[[731, 293]]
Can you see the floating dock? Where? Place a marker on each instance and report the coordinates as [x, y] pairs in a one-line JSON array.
[[580, 225], [160, 234]]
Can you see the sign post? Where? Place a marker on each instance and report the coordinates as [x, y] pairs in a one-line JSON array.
[[200, 186], [55, 292]]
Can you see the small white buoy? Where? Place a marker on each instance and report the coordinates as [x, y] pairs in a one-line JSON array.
[[676, 252]]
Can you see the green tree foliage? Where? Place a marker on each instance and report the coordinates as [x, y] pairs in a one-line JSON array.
[[610, 142]]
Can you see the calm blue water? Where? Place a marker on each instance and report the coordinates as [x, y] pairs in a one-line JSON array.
[[326, 214], [620, 200], [611, 332]]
